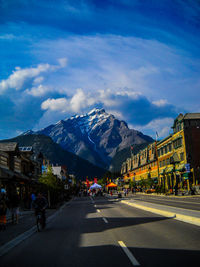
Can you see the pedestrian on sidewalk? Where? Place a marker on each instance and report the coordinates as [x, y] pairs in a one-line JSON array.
[[3, 209], [14, 207], [33, 198]]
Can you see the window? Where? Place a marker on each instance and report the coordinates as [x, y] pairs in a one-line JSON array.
[[182, 156], [177, 143], [165, 149], [170, 147]]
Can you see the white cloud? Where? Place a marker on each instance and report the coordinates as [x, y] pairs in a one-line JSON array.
[[132, 107], [39, 90], [161, 126], [160, 103], [20, 77], [98, 62], [38, 80], [62, 62], [7, 37], [59, 104]]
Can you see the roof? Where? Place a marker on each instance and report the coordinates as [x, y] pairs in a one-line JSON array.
[[191, 116], [8, 147], [26, 148]]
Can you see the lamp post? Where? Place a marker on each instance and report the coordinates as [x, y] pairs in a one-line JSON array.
[[173, 160]]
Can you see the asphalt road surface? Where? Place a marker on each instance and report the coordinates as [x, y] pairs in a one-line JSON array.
[[103, 233], [182, 202]]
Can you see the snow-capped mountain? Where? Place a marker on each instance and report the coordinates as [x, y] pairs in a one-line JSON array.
[[95, 136]]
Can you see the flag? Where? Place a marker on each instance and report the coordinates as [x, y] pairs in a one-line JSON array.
[[156, 136], [87, 181]]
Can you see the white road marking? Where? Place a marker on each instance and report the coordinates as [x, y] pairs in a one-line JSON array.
[[98, 210], [105, 220], [129, 254]]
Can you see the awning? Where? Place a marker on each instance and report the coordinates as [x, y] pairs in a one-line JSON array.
[[111, 185], [95, 186], [180, 167], [169, 169]]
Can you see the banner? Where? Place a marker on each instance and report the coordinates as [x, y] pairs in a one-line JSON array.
[[87, 181]]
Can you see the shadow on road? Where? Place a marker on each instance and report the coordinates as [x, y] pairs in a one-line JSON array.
[[69, 241]]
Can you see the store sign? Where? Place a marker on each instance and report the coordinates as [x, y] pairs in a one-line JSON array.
[[185, 176], [187, 167]]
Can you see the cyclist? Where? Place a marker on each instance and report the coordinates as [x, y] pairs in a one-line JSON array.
[[40, 204]]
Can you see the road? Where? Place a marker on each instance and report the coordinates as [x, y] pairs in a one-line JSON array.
[[104, 232]]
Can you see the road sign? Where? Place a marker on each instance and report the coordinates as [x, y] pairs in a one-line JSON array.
[[187, 167]]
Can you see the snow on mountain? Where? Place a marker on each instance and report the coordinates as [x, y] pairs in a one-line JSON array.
[[95, 136]]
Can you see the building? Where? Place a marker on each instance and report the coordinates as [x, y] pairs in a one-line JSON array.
[[60, 172], [142, 165], [173, 162], [18, 169]]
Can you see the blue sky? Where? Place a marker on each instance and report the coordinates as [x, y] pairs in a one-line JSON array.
[[140, 60]]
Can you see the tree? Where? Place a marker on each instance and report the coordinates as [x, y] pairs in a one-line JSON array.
[[149, 182], [142, 183], [51, 182]]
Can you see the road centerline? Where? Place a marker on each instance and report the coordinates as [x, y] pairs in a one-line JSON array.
[[129, 254]]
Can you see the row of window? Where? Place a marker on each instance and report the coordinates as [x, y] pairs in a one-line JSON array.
[[167, 161], [3, 160], [177, 143], [178, 128], [152, 164], [168, 148], [164, 162]]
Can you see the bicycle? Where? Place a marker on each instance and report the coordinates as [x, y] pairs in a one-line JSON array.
[[40, 221]]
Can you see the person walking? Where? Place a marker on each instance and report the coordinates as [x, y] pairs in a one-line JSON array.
[[33, 198], [3, 209], [14, 207]]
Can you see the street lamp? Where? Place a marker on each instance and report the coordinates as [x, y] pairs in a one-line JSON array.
[[174, 160]]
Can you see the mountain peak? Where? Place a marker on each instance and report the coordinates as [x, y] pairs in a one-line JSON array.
[[96, 110], [27, 132], [95, 136]]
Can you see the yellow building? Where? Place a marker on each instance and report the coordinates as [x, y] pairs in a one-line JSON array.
[[173, 162], [143, 165]]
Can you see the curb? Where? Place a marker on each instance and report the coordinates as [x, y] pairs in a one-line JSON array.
[[168, 196], [179, 217], [17, 240]]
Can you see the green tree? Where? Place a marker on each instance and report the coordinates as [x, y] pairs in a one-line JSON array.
[[52, 184], [142, 183], [149, 182]]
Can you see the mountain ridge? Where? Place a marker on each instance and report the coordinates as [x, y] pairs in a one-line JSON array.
[[53, 152], [96, 136]]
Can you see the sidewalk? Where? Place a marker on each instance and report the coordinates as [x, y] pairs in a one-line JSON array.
[[184, 215], [22, 213], [181, 214], [152, 194], [26, 221]]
